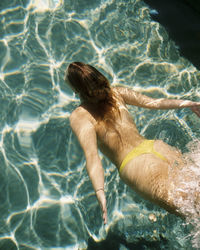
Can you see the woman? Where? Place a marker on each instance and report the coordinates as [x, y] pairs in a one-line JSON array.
[[150, 167]]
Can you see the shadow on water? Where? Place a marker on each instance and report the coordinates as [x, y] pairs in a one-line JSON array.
[[181, 18], [114, 242]]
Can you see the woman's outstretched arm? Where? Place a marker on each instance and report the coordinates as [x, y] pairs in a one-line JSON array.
[[132, 97], [86, 134]]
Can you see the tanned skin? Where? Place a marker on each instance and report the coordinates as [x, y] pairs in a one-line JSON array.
[[146, 174]]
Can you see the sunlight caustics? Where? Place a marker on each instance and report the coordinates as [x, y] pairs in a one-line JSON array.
[[44, 184], [44, 5]]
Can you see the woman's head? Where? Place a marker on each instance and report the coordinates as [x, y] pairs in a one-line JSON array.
[[94, 89], [88, 82]]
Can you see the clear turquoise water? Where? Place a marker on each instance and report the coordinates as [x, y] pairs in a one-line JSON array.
[[46, 199]]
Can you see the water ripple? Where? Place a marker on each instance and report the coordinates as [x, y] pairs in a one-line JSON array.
[[46, 198]]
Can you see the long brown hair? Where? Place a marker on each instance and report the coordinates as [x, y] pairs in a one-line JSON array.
[[94, 89]]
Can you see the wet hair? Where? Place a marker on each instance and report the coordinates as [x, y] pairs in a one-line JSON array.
[[88, 82], [94, 89], [92, 86]]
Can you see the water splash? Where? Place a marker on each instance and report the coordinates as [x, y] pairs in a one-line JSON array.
[[42, 164], [187, 186]]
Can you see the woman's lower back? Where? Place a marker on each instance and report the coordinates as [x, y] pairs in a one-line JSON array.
[[159, 180]]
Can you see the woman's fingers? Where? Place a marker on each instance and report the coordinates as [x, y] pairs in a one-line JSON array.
[[105, 219], [104, 210], [196, 110], [102, 201]]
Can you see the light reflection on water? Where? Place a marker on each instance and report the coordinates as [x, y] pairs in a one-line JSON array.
[[46, 197]]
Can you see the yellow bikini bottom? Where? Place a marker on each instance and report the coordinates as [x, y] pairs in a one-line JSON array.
[[146, 147]]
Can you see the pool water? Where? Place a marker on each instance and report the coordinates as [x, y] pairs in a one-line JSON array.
[[46, 198]]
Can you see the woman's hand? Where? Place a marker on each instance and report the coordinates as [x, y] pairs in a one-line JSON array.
[[196, 110], [102, 201]]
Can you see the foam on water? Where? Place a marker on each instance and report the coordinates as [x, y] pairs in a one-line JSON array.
[[191, 205], [46, 199]]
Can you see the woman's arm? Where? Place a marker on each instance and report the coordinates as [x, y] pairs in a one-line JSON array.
[[86, 134], [132, 97]]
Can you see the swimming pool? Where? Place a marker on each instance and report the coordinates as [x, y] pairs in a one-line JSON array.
[[46, 199]]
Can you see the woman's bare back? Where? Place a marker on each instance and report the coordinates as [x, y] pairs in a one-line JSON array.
[[117, 142], [150, 176]]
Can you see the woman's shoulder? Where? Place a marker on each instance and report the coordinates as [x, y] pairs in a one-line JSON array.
[[80, 114], [121, 90], [117, 88], [117, 91]]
